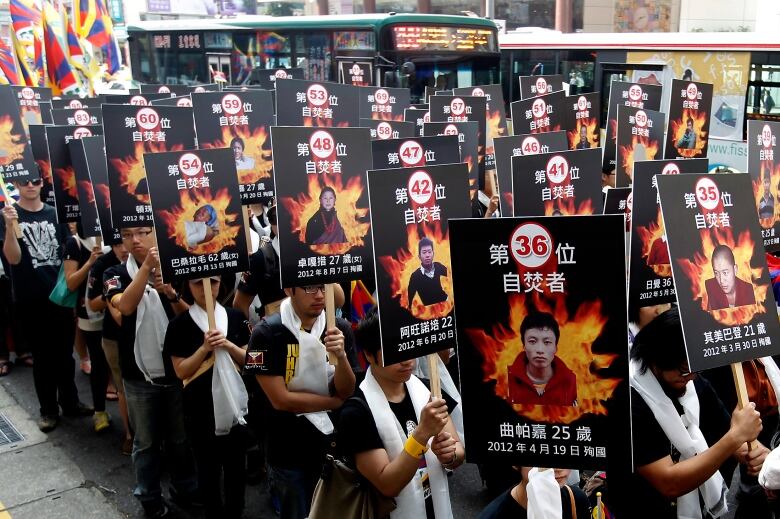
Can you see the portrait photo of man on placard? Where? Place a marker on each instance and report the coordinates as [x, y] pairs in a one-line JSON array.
[[726, 290], [426, 281]]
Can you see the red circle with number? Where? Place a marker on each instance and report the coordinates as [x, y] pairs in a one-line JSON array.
[[382, 96], [707, 193], [28, 93], [692, 91], [671, 169], [75, 104], [582, 103], [231, 104], [317, 94], [184, 101], [539, 108], [427, 117], [420, 187], [635, 92], [138, 101], [322, 144], [478, 92], [81, 117], [451, 129], [384, 131], [531, 146], [411, 153], [630, 202], [80, 133], [766, 136], [163, 90], [641, 118], [531, 245], [557, 169], [457, 106], [541, 85], [199, 90], [190, 164], [280, 74], [147, 118]]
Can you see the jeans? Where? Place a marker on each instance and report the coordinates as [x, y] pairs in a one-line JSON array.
[[48, 330], [157, 417], [294, 488], [98, 378]]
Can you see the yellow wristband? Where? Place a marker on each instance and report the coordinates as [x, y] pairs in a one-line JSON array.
[[414, 448]]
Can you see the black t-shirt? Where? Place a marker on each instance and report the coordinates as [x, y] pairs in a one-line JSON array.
[[262, 278], [182, 339], [650, 444], [42, 239], [505, 507], [293, 442], [95, 289], [75, 251], [429, 288], [115, 281], [358, 432]]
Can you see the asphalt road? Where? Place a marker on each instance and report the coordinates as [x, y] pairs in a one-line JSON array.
[[105, 468]]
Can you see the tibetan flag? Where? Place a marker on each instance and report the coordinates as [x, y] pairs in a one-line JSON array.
[[93, 24], [27, 21], [361, 301], [9, 68], [61, 73]]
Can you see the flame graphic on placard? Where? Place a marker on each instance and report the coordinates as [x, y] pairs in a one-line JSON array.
[[494, 127], [651, 237], [376, 116], [86, 187], [45, 167], [191, 200], [319, 122], [67, 178], [699, 270], [353, 218], [679, 126], [105, 193], [626, 153], [131, 168], [592, 126], [500, 346], [254, 147], [11, 144], [758, 191], [406, 261], [568, 207]]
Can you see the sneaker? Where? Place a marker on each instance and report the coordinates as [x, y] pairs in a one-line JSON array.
[[81, 409], [101, 421], [48, 423], [156, 509]]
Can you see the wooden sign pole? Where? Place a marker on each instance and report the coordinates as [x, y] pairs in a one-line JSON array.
[[433, 368], [742, 394], [492, 184], [330, 317], [9, 201], [209, 303], [99, 241], [247, 231]]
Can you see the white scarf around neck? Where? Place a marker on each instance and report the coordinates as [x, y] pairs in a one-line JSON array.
[[422, 370], [312, 371], [275, 245], [689, 441], [231, 400], [411, 501], [151, 322], [544, 495]]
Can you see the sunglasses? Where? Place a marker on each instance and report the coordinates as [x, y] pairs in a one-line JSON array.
[[35, 182]]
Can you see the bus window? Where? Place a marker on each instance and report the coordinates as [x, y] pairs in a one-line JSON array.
[[763, 92], [313, 54], [578, 69], [190, 69], [165, 65], [262, 50], [140, 59]]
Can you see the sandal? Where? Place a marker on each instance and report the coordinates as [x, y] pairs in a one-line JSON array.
[[5, 368], [112, 396], [25, 360]]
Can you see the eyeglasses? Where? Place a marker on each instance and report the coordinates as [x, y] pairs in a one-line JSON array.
[[127, 235], [313, 289], [35, 182]]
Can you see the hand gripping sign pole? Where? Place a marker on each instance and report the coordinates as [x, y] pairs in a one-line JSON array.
[[209, 303], [433, 367], [742, 393], [247, 227], [330, 317], [8, 200]]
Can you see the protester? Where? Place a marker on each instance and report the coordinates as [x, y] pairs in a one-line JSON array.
[[679, 471], [639, 317], [386, 429], [219, 446], [80, 254], [46, 328], [289, 360], [540, 493], [110, 331], [154, 393]]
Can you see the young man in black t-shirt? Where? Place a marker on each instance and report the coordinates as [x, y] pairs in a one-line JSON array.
[[291, 366], [47, 329], [661, 474], [426, 281], [153, 392]]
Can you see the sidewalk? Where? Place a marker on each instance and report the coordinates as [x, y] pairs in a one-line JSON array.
[[37, 479]]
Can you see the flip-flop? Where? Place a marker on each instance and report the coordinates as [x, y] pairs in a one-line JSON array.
[[5, 368]]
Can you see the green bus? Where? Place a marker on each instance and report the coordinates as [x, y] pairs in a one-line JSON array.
[[447, 51]]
